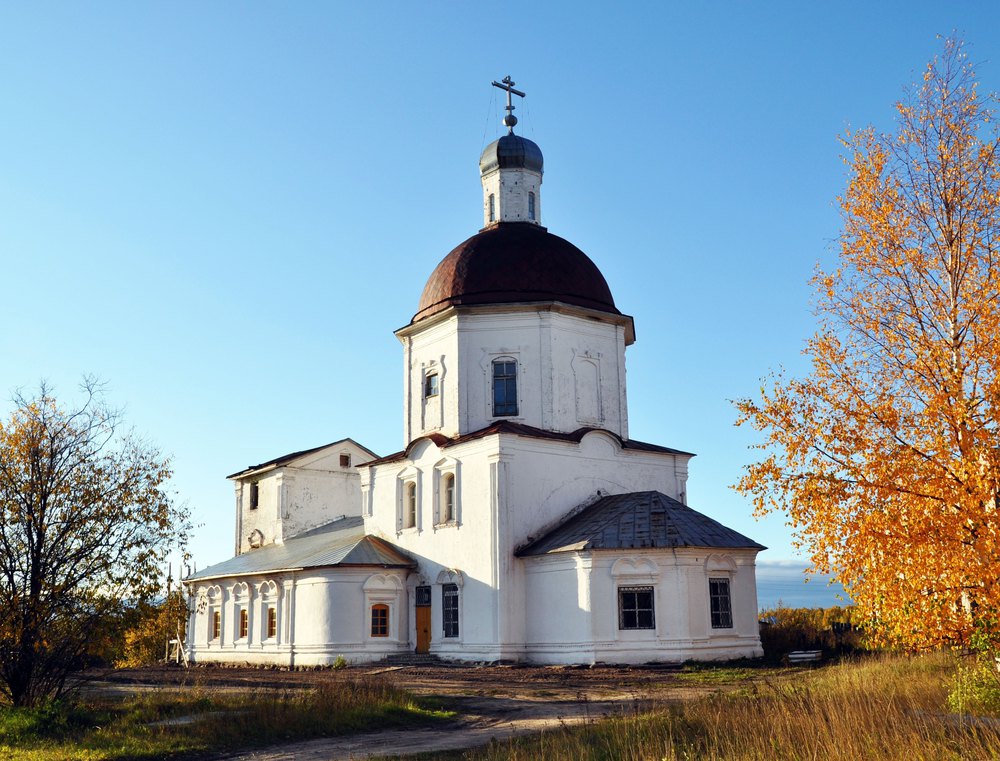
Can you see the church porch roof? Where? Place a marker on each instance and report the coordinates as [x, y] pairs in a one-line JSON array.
[[339, 543], [637, 520]]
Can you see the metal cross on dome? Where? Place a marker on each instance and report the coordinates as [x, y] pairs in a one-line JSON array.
[[508, 84]]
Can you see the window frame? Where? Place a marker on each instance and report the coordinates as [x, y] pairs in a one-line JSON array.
[[531, 207], [450, 611], [448, 491], [630, 612], [379, 621], [215, 624], [345, 459], [432, 385], [271, 621], [506, 408], [254, 495], [493, 207], [409, 504], [720, 603], [244, 624]]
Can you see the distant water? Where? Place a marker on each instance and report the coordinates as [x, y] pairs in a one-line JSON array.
[[785, 582]]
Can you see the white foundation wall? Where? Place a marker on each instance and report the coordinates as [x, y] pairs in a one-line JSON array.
[[296, 497], [570, 365], [322, 614], [584, 628]]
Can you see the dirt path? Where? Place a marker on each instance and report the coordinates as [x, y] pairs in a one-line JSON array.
[[482, 720], [492, 702]]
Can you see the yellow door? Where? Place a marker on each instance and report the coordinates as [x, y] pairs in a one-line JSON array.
[[423, 629]]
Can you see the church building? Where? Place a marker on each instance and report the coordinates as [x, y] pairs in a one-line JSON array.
[[520, 522]]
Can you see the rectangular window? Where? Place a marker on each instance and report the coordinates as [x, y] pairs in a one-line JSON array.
[[216, 625], [635, 608], [254, 495], [531, 206], [493, 209], [380, 620], [449, 599], [430, 385], [722, 607], [504, 387], [272, 622], [244, 623], [345, 461]]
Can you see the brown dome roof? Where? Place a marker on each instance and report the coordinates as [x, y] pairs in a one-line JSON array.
[[515, 262]]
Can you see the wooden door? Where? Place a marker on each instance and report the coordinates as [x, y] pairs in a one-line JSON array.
[[423, 609], [423, 629]]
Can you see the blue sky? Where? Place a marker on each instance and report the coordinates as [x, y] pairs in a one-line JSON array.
[[225, 209]]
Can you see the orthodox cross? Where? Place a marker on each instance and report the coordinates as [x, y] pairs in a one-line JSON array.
[[508, 84]]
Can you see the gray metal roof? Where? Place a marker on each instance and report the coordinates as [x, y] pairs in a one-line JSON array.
[[287, 458], [637, 520], [339, 543]]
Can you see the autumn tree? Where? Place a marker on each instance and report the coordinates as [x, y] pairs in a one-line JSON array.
[[886, 456], [85, 525]]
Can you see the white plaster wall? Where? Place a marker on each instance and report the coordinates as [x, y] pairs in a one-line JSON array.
[[509, 488], [468, 544], [322, 614], [571, 370], [510, 188], [293, 498], [434, 350], [588, 631]]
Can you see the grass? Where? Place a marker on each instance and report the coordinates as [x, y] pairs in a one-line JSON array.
[[121, 729], [887, 707]]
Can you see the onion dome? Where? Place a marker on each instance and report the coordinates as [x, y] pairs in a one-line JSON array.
[[511, 152], [513, 263]]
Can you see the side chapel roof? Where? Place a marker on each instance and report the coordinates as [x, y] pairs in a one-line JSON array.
[[342, 542], [638, 520], [287, 458]]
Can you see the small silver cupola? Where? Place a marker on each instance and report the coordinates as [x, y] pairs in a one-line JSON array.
[[511, 172]]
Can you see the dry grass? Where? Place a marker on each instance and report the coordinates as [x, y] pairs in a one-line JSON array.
[[888, 707], [212, 721]]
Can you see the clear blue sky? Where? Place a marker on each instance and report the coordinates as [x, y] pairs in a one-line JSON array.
[[225, 209]]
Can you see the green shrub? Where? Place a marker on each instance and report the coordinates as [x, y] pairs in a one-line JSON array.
[[975, 688]]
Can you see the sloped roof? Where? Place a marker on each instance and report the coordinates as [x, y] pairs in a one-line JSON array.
[[638, 520], [287, 458], [342, 542], [520, 429]]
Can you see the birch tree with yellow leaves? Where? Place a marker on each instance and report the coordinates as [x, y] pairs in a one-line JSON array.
[[886, 456], [85, 525]]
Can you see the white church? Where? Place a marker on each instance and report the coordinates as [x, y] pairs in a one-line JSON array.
[[520, 522]]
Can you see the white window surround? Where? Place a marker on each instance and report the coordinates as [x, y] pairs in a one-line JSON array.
[[382, 589], [240, 593], [633, 572], [721, 567], [213, 600], [269, 595], [404, 479], [442, 470], [456, 577], [488, 360]]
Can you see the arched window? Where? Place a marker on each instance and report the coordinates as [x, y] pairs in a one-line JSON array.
[[531, 206], [504, 387], [448, 498], [380, 620], [493, 208], [410, 505], [272, 622]]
